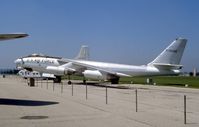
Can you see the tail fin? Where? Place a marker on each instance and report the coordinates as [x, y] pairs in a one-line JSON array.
[[83, 53], [172, 54]]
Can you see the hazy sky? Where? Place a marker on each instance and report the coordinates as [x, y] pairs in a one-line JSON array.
[[121, 31]]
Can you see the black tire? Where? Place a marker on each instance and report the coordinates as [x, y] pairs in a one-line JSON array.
[[84, 81], [69, 82]]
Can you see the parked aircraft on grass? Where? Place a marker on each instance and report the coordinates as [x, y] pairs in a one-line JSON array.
[[167, 63]]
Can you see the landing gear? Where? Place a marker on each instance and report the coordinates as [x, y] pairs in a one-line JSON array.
[[31, 82], [69, 82], [115, 81], [57, 79], [84, 81]]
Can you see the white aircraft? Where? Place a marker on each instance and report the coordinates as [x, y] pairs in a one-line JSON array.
[[167, 63], [34, 74], [4, 37]]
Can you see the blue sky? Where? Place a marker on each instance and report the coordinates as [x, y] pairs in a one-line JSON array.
[[121, 31]]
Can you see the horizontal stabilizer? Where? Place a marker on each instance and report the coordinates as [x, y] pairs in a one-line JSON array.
[[167, 66]]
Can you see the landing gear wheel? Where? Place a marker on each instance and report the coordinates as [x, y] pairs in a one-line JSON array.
[[69, 82], [84, 81]]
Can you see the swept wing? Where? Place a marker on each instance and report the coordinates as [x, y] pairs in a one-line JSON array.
[[104, 71]]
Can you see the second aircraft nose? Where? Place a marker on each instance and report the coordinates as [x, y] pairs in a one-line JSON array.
[[18, 61]]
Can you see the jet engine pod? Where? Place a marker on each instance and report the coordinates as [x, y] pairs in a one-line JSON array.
[[94, 74], [58, 70]]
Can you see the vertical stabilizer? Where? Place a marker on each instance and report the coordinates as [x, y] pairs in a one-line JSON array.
[[172, 54], [83, 53]]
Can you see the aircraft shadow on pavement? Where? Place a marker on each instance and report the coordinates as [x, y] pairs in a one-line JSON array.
[[104, 84], [20, 102], [88, 83]]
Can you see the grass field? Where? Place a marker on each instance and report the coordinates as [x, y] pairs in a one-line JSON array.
[[178, 81]]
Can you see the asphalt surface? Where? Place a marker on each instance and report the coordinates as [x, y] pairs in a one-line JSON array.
[[43, 106]]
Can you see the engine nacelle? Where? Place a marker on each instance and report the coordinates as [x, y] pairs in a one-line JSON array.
[[59, 70], [94, 74]]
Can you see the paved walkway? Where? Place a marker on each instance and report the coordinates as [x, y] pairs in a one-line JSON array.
[[40, 106]]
